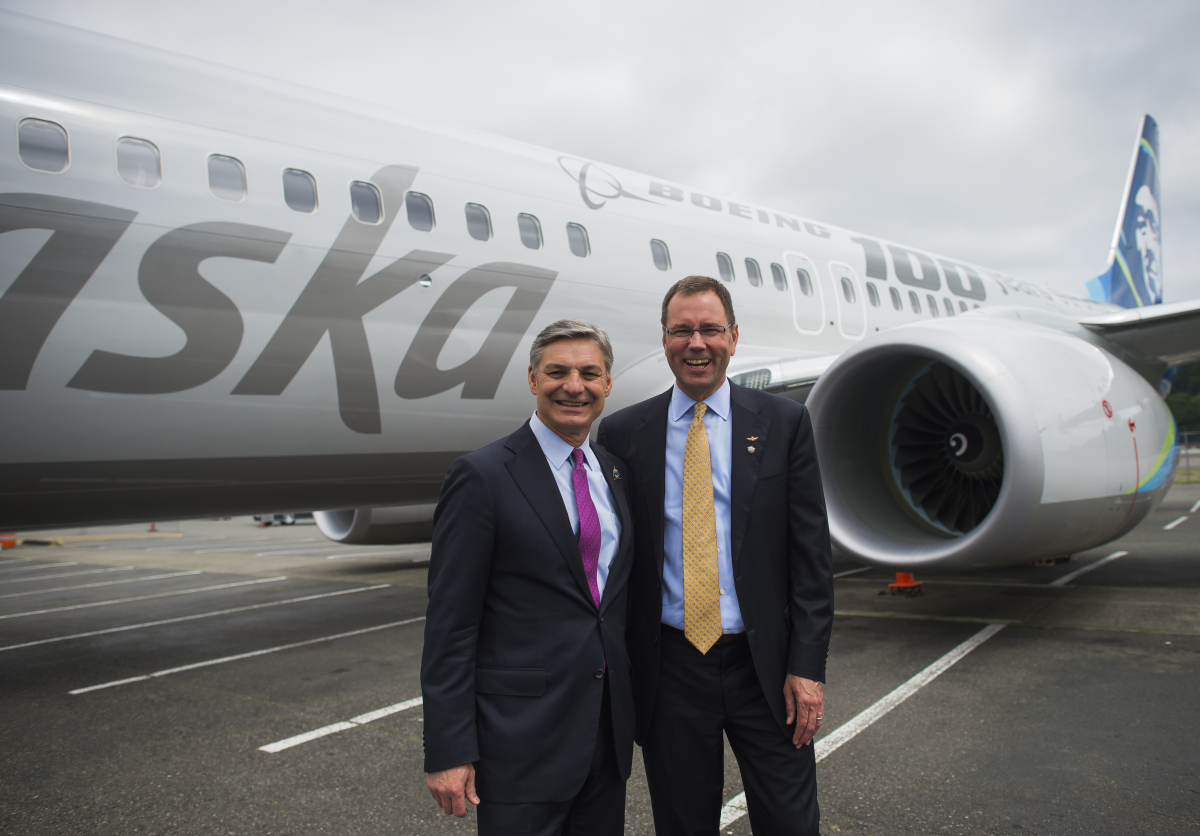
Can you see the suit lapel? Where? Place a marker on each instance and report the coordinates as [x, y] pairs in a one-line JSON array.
[[651, 453], [748, 422], [531, 472], [624, 545]]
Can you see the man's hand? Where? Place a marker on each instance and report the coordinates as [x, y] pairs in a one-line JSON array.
[[805, 701], [453, 788]]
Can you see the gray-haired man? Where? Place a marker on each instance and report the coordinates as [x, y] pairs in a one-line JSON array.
[[525, 675]]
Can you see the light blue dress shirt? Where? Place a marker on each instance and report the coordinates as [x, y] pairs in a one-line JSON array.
[[718, 425], [558, 454]]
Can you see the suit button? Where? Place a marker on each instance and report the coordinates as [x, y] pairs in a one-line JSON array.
[[600, 673], [601, 619]]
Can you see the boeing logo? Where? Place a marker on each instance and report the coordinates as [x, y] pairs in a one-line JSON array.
[[595, 182]]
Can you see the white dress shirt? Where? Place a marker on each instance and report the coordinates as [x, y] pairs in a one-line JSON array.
[[558, 454], [718, 425]]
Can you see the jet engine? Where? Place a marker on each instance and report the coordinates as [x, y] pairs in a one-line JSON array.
[[377, 526], [980, 441]]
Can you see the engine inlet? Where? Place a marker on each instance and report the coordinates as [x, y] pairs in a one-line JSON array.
[[945, 450]]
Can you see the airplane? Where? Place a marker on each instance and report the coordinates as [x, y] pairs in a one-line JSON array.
[[224, 294]]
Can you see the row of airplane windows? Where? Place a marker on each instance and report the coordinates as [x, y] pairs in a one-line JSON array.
[[45, 146]]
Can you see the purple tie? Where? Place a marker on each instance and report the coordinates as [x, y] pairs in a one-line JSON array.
[[589, 524]]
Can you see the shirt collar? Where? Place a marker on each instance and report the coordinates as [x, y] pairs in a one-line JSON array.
[[718, 402], [558, 452]]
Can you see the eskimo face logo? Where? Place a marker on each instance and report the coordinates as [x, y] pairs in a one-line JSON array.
[[596, 186], [1148, 237]]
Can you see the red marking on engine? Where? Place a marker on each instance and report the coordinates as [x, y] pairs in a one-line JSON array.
[[1107, 408], [1132, 426]]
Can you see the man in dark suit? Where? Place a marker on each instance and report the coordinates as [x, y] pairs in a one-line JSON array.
[[525, 674], [731, 594]]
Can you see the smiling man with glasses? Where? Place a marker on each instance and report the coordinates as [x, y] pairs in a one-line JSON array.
[[731, 591]]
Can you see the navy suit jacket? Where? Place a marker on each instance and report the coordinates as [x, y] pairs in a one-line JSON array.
[[513, 641], [779, 533]]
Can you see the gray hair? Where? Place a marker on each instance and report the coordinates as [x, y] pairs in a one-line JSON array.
[[571, 329]]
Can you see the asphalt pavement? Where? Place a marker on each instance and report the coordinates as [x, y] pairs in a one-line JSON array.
[[218, 677]]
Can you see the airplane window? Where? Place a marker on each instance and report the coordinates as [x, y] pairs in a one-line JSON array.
[[420, 211], [365, 202], [662, 256], [299, 190], [479, 222], [43, 145], [138, 162], [226, 177], [933, 309], [577, 237], [804, 282], [725, 267], [873, 294], [848, 289], [949, 307], [779, 277], [896, 302], [962, 306], [914, 302], [753, 273], [976, 306], [531, 231]]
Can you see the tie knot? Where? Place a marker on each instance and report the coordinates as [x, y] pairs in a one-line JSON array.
[[701, 408], [577, 457]]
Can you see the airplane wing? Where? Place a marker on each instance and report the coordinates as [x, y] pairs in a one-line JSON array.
[[1164, 333]]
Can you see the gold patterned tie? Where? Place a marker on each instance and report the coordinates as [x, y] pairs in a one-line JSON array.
[[701, 580]]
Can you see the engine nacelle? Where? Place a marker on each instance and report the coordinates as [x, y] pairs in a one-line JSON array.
[[975, 441], [378, 526]]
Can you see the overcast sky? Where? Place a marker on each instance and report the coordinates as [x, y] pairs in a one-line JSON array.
[[995, 133]]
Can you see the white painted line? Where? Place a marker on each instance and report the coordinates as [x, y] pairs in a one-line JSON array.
[[251, 654], [736, 806], [71, 574], [99, 583], [1195, 507], [238, 548], [1065, 579], [360, 720], [1171, 525], [38, 566], [343, 556], [144, 597], [192, 617], [189, 546], [853, 571], [14, 560]]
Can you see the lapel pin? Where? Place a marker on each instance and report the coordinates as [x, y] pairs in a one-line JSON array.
[[750, 449], [616, 473], [752, 438]]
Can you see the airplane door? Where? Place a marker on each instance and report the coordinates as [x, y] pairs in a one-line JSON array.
[[851, 304], [808, 297]]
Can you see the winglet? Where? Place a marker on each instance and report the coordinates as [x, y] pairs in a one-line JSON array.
[[1134, 276]]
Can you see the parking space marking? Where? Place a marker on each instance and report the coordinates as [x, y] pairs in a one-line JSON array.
[[193, 617], [736, 806], [249, 655], [1171, 525], [1065, 579], [253, 582], [99, 583], [37, 566], [1195, 507], [853, 571], [70, 574], [360, 720]]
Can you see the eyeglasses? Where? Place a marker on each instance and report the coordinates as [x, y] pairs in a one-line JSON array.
[[709, 332]]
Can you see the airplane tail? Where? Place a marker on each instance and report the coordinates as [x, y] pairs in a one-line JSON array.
[[1134, 276]]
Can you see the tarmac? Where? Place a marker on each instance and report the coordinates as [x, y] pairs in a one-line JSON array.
[[217, 677]]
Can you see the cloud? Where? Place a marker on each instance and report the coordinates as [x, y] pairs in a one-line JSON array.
[[998, 134]]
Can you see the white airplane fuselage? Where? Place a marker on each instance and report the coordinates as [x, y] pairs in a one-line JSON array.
[[170, 352]]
